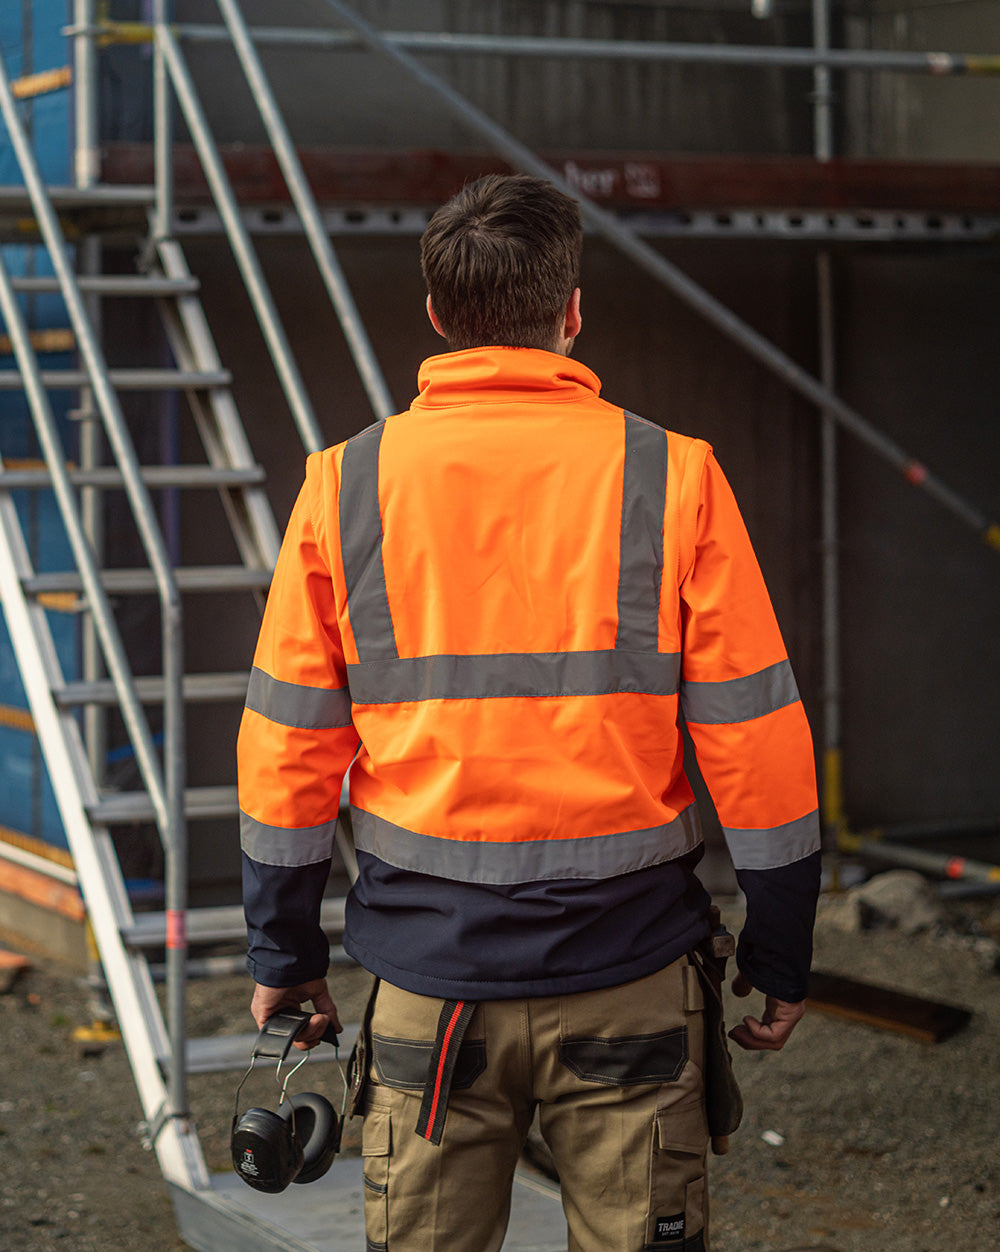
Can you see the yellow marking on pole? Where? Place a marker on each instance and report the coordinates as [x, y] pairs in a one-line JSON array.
[[30, 463], [982, 64], [42, 83], [60, 601], [124, 33], [43, 341], [833, 791], [16, 719], [992, 535]]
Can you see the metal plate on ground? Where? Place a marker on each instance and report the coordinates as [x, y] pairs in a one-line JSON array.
[[328, 1215]]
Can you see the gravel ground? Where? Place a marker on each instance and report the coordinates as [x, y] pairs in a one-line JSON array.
[[877, 1142]]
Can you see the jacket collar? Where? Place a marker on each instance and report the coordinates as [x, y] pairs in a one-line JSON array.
[[497, 374]]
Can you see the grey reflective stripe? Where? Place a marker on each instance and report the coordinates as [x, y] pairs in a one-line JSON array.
[[740, 699], [600, 856], [506, 675], [644, 492], [280, 845], [361, 547], [774, 846], [290, 704]]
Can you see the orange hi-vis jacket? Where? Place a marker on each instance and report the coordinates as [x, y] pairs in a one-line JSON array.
[[496, 608]]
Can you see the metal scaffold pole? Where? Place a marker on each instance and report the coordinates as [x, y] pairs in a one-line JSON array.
[[312, 221], [685, 288]]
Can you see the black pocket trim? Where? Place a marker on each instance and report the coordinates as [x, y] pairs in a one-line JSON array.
[[628, 1059], [402, 1063]]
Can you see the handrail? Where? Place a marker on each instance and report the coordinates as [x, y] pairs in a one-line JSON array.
[[309, 214], [239, 239], [872, 60], [166, 788], [672, 277]]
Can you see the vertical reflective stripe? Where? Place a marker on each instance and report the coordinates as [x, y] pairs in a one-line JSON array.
[[361, 547], [644, 494]]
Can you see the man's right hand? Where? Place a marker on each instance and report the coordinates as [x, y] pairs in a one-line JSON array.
[[270, 1000], [770, 1033]]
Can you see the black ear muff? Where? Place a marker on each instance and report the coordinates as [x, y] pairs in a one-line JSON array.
[[315, 1127], [299, 1141], [266, 1155]]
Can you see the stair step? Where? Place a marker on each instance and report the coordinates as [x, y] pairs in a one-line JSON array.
[[124, 379], [222, 924], [140, 581], [123, 807], [198, 689], [115, 285], [152, 476]]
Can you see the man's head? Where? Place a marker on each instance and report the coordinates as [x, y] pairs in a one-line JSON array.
[[501, 261]]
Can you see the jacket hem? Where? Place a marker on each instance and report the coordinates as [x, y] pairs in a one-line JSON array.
[[515, 988]]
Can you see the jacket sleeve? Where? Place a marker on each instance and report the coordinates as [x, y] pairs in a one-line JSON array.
[[754, 748], [295, 743]]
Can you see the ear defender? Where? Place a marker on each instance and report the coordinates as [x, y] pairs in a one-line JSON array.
[[298, 1142]]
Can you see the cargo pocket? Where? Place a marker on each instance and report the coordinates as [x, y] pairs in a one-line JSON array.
[[676, 1221], [376, 1148]]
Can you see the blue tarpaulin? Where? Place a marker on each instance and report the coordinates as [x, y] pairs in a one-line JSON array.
[[32, 42]]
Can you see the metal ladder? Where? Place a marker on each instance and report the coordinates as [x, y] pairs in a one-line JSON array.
[[213, 1213], [160, 1053]]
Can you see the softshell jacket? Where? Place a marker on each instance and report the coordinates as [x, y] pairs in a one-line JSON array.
[[496, 608]]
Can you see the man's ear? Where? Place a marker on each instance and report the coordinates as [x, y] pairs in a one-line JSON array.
[[574, 321], [434, 319]]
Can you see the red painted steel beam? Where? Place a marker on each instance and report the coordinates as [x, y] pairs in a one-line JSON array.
[[427, 177]]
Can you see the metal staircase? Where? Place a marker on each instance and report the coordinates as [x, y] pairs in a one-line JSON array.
[[72, 717]]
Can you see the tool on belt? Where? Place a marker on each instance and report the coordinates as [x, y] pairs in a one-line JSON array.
[[723, 1101]]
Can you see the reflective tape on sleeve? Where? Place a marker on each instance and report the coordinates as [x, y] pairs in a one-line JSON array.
[[291, 704], [514, 674], [288, 846], [599, 856], [739, 699], [361, 547], [640, 570], [774, 846]]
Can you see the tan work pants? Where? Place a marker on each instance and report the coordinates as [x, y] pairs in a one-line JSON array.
[[616, 1076]]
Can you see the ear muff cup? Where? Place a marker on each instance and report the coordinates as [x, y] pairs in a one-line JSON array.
[[266, 1155], [316, 1132]]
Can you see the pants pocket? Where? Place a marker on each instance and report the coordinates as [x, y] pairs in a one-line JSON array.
[[677, 1219], [376, 1149]]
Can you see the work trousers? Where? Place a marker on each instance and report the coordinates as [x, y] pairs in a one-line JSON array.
[[616, 1076]]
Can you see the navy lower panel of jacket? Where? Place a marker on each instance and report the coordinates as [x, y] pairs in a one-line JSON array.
[[459, 940]]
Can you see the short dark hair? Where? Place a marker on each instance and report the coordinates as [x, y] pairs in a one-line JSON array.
[[501, 260]]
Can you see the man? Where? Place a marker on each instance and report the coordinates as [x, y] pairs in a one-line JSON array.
[[502, 601]]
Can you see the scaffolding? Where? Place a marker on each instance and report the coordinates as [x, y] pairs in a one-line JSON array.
[[70, 717]]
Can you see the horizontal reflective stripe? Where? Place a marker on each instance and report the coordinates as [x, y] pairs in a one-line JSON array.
[[507, 675], [282, 845], [640, 568], [774, 846], [739, 699], [600, 856], [291, 704]]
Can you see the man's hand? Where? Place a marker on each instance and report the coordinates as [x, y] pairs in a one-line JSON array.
[[770, 1034], [270, 1000]]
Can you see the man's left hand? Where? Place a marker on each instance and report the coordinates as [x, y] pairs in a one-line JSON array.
[[770, 1033]]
